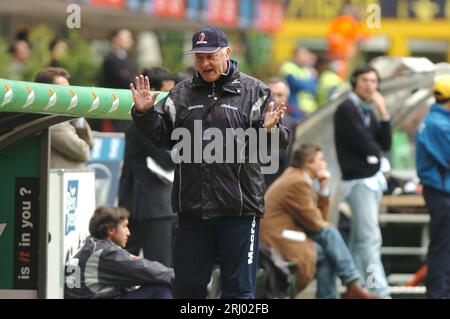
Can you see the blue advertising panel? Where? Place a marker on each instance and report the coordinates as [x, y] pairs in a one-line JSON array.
[[106, 160]]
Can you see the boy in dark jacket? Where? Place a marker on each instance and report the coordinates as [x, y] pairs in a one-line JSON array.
[[103, 269]]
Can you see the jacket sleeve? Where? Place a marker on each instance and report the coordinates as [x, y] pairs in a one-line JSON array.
[[384, 136], [301, 84], [436, 139], [350, 126], [157, 123], [146, 146], [301, 205], [119, 267], [65, 140]]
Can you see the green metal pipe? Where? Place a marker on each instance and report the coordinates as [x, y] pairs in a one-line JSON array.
[[89, 102]]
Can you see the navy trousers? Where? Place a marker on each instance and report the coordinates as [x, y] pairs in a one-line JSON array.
[[438, 275], [231, 242]]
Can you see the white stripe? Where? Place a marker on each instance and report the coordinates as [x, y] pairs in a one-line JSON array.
[[91, 271], [169, 108], [255, 112], [179, 189], [199, 106]]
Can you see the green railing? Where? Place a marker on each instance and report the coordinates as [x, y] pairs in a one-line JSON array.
[[89, 102]]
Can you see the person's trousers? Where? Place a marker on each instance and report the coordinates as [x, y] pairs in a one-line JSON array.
[[231, 242], [365, 238], [155, 237], [150, 291], [333, 259], [438, 274]]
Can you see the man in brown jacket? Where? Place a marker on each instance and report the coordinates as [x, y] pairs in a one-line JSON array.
[[293, 204]]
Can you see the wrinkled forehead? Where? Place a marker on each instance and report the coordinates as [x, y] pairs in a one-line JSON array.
[[208, 55]]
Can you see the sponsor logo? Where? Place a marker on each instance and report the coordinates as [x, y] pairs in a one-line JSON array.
[[228, 106], [30, 97], [73, 100], [95, 102], [51, 99], [201, 39], [199, 106]]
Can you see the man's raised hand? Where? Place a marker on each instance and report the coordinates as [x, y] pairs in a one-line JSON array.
[[143, 99], [273, 116]]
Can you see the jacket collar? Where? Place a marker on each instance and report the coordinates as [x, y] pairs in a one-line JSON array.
[[441, 109], [229, 83]]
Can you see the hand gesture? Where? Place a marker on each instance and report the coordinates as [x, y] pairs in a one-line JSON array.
[[273, 116], [378, 101], [144, 100]]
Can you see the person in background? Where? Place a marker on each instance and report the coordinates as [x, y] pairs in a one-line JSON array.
[[360, 139], [20, 52], [294, 204], [106, 270], [58, 49], [302, 81], [280, 92], [118, 70], [145, 192], [328, 81], [70, 141], [433, 169]]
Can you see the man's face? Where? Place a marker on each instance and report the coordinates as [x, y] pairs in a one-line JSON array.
[[317, 164], [279, 92], [167, 85], [366, 85], [124, 40], [119, 235], [211, 65]]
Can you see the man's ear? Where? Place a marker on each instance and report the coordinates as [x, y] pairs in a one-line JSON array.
[[110, 232], [228, 53]]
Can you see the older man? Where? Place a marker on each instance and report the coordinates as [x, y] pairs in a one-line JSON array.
[[218, 201]]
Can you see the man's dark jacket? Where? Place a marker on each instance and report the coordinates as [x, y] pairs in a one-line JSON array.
[[360, 139], [235, 100]]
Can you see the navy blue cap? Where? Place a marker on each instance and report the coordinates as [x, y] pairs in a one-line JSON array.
[[208, 40]]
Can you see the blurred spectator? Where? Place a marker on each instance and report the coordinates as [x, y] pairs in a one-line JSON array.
[[301, 79], [160, 79], [58, 49], [118, 70], [70, 141], [105, 270], [293, 206], [433, 169], [144, 192], [344, 34], [20, 51], [360, 139], [280, 92], [328, 81], [185, 74]]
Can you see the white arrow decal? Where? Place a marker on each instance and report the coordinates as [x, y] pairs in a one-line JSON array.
[[2, 228]]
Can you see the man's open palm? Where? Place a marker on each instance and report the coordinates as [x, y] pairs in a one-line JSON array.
[[144, 100], [272, 116]]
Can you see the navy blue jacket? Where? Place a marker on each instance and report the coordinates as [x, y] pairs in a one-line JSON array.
[[209, 189]]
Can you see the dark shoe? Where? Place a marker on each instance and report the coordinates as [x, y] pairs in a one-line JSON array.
[[358, 292]]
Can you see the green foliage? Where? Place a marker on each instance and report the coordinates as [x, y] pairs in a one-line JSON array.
[[81, 62], [259, 55], [5, 60], [40, 38], [172, 49]]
